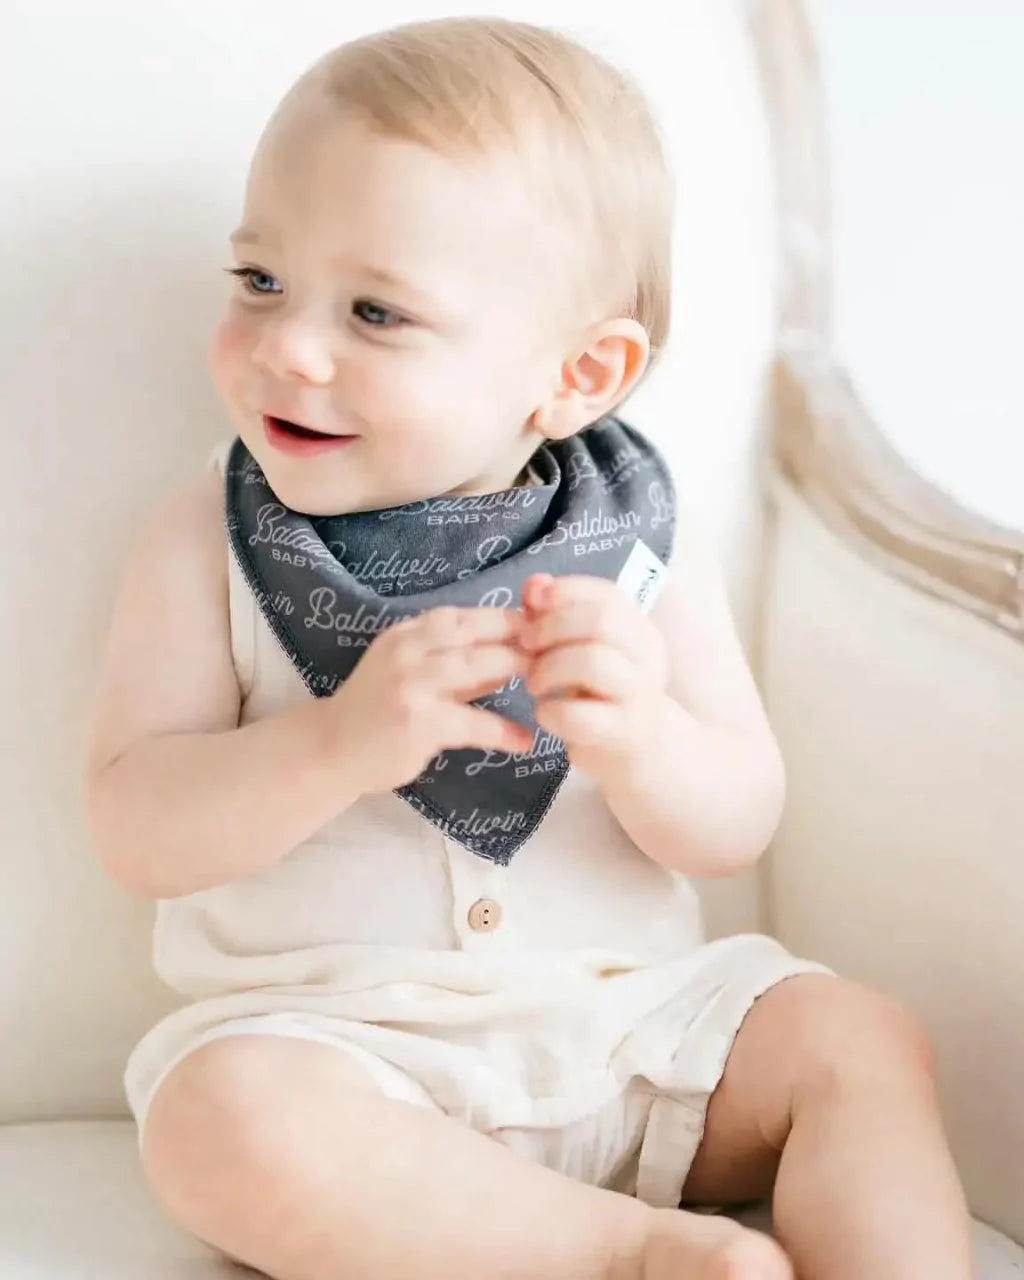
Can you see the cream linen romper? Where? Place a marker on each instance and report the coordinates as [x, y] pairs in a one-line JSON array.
[[565, 1005]]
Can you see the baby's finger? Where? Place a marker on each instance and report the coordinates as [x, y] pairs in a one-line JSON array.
[[549, 591], [535, 590], [581, 722], [611, 620], [476, 727], [452, 626], [588, 669], [471, 670]]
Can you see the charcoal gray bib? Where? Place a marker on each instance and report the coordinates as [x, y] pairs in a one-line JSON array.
[[327, 585]]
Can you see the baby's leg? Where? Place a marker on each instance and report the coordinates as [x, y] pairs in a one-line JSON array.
[[840, 1081], [283, 1154]]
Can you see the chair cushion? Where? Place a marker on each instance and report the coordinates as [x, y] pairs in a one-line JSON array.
[[892, 664], [75, 1207]]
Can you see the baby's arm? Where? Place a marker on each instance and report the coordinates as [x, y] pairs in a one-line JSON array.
[[177, 796], [707, 795]]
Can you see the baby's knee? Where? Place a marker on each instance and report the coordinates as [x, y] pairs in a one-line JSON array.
[[851, 1034], [200, 1123], [226, 1118]]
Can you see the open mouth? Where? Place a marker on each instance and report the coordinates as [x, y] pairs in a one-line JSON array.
[[296, 429], [299, 440]]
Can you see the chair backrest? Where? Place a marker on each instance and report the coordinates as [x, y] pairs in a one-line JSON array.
[[892, 656]]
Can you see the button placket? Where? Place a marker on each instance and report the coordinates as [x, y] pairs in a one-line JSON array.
[[484, 915], [478, 896]]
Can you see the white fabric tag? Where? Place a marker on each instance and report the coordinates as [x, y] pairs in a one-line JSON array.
[[642, 575]]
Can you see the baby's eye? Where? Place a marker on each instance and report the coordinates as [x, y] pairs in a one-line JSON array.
[[377, 316], [256, 281]]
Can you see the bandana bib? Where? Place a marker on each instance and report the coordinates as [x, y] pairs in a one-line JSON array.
[[328, 585]]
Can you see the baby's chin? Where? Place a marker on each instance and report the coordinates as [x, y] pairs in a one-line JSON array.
[[311, 486], [319, 496], [311, 489], [346, 481]]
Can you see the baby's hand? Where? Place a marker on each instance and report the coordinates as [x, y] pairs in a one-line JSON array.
[[406, 700], [598, 669]]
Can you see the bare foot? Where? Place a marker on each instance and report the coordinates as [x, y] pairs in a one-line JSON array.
[[694, 1246]]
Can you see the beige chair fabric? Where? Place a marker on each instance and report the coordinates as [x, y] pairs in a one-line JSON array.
[[899, 860], [828, 448], [892, 659]]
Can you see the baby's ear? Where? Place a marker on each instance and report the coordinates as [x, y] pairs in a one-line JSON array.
[[596, 377]]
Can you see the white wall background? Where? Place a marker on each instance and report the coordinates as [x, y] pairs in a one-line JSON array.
[[926, 113]]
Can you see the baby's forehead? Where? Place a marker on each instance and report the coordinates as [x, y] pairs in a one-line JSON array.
[[312, 135], [343, 183]]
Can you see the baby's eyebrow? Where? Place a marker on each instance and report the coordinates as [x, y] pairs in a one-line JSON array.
[[391, 280], [384, 276], [244, 236]]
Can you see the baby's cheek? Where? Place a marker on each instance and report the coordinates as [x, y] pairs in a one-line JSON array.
[[230, 347]]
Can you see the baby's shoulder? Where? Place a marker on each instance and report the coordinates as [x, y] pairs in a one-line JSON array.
[[168, 663], [181, 547], [190, 516]]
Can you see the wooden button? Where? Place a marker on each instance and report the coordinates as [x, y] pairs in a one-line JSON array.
[[485, 915]]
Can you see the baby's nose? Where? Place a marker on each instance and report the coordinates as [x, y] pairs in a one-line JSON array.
[[296, 347]]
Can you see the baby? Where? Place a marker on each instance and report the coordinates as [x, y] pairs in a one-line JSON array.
[[418, 715]]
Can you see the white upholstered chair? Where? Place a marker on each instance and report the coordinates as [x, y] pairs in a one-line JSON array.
[[885, 622]]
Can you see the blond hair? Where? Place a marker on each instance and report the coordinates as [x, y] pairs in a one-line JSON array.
[[469, 84]]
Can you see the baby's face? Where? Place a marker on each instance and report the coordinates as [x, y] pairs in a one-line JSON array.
[[395, 300]]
